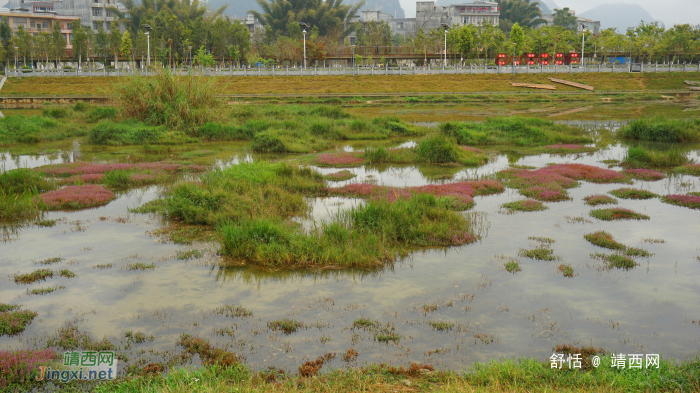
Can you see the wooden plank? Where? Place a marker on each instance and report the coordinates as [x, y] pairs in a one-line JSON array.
[[577, 110], [573, 84], [534, 86], [696, 88], [692, 83]]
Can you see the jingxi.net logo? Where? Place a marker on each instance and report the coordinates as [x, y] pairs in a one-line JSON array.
[[82, 365]]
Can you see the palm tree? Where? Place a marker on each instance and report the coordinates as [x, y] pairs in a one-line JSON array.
[[325, 15], [522, 12]]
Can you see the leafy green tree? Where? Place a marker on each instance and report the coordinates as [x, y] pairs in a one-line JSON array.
[[645, 40], [489, 38], [564, 18], [522, 12], [126, 44], [5, 33], [680, 42], [79, 42], [58, 42], [115, 42], [466, 40], [517, 37], [203, 58], [24, 42]]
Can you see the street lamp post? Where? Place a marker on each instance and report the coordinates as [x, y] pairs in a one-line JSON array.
[[446, 27], [17, 62], [304, 26], [583, 43], [512, 62], [189, 51], [353, 57], [148, 42]]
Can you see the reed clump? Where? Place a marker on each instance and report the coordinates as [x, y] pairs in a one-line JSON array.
[[167, 99]]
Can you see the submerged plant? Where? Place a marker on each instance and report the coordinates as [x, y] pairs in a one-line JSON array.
[[44, 291], [15, 321], [287, 326], [339, 176], [527, 205], [541, 253], [37, 275], [617, 213], [512, 266], [568, 149], [598, 199], [605, 240], [441, 325], [566, 270], [141, 266], [689, 201], [231, 310], [616, 261], [633, 193]]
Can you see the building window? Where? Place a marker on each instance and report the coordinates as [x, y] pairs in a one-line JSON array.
[[31, 24], [109, 13], [97, 12], [96, 25], [109, 27], [45, 25]]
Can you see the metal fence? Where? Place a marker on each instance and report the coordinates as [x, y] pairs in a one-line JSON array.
[[366, 70]]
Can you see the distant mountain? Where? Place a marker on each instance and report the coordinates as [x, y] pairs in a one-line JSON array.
[[544, 7], [619, 15], [240, 8], [391, 7], [237, 8]]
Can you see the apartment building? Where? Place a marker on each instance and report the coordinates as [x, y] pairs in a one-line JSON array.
[[37, 21], [94, 14]]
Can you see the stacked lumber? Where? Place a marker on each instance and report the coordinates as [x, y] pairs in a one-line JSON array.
[[573, 84], [534, 86], [692, 83]]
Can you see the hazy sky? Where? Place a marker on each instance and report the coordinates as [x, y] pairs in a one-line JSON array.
[[669, 11]]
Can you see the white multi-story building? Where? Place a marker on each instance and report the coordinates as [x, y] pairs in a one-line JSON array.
[[430, 16]]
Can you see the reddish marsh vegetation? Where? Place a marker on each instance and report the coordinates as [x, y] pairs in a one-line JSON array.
[[18, 368], [690, 201], [340, 160], [644, 174], [339, 176], [461, 193], [689, 169], [599, 199], [77, 197], [617, 213], [550, 183]]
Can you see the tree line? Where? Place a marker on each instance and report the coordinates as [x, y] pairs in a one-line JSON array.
[[185, 32]]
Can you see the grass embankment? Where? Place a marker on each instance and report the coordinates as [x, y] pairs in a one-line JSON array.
[[519, 131], [661, 129], [407, 84], [523, 375], [250, 206]]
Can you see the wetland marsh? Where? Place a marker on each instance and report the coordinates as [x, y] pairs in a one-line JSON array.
[[525, 279]]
